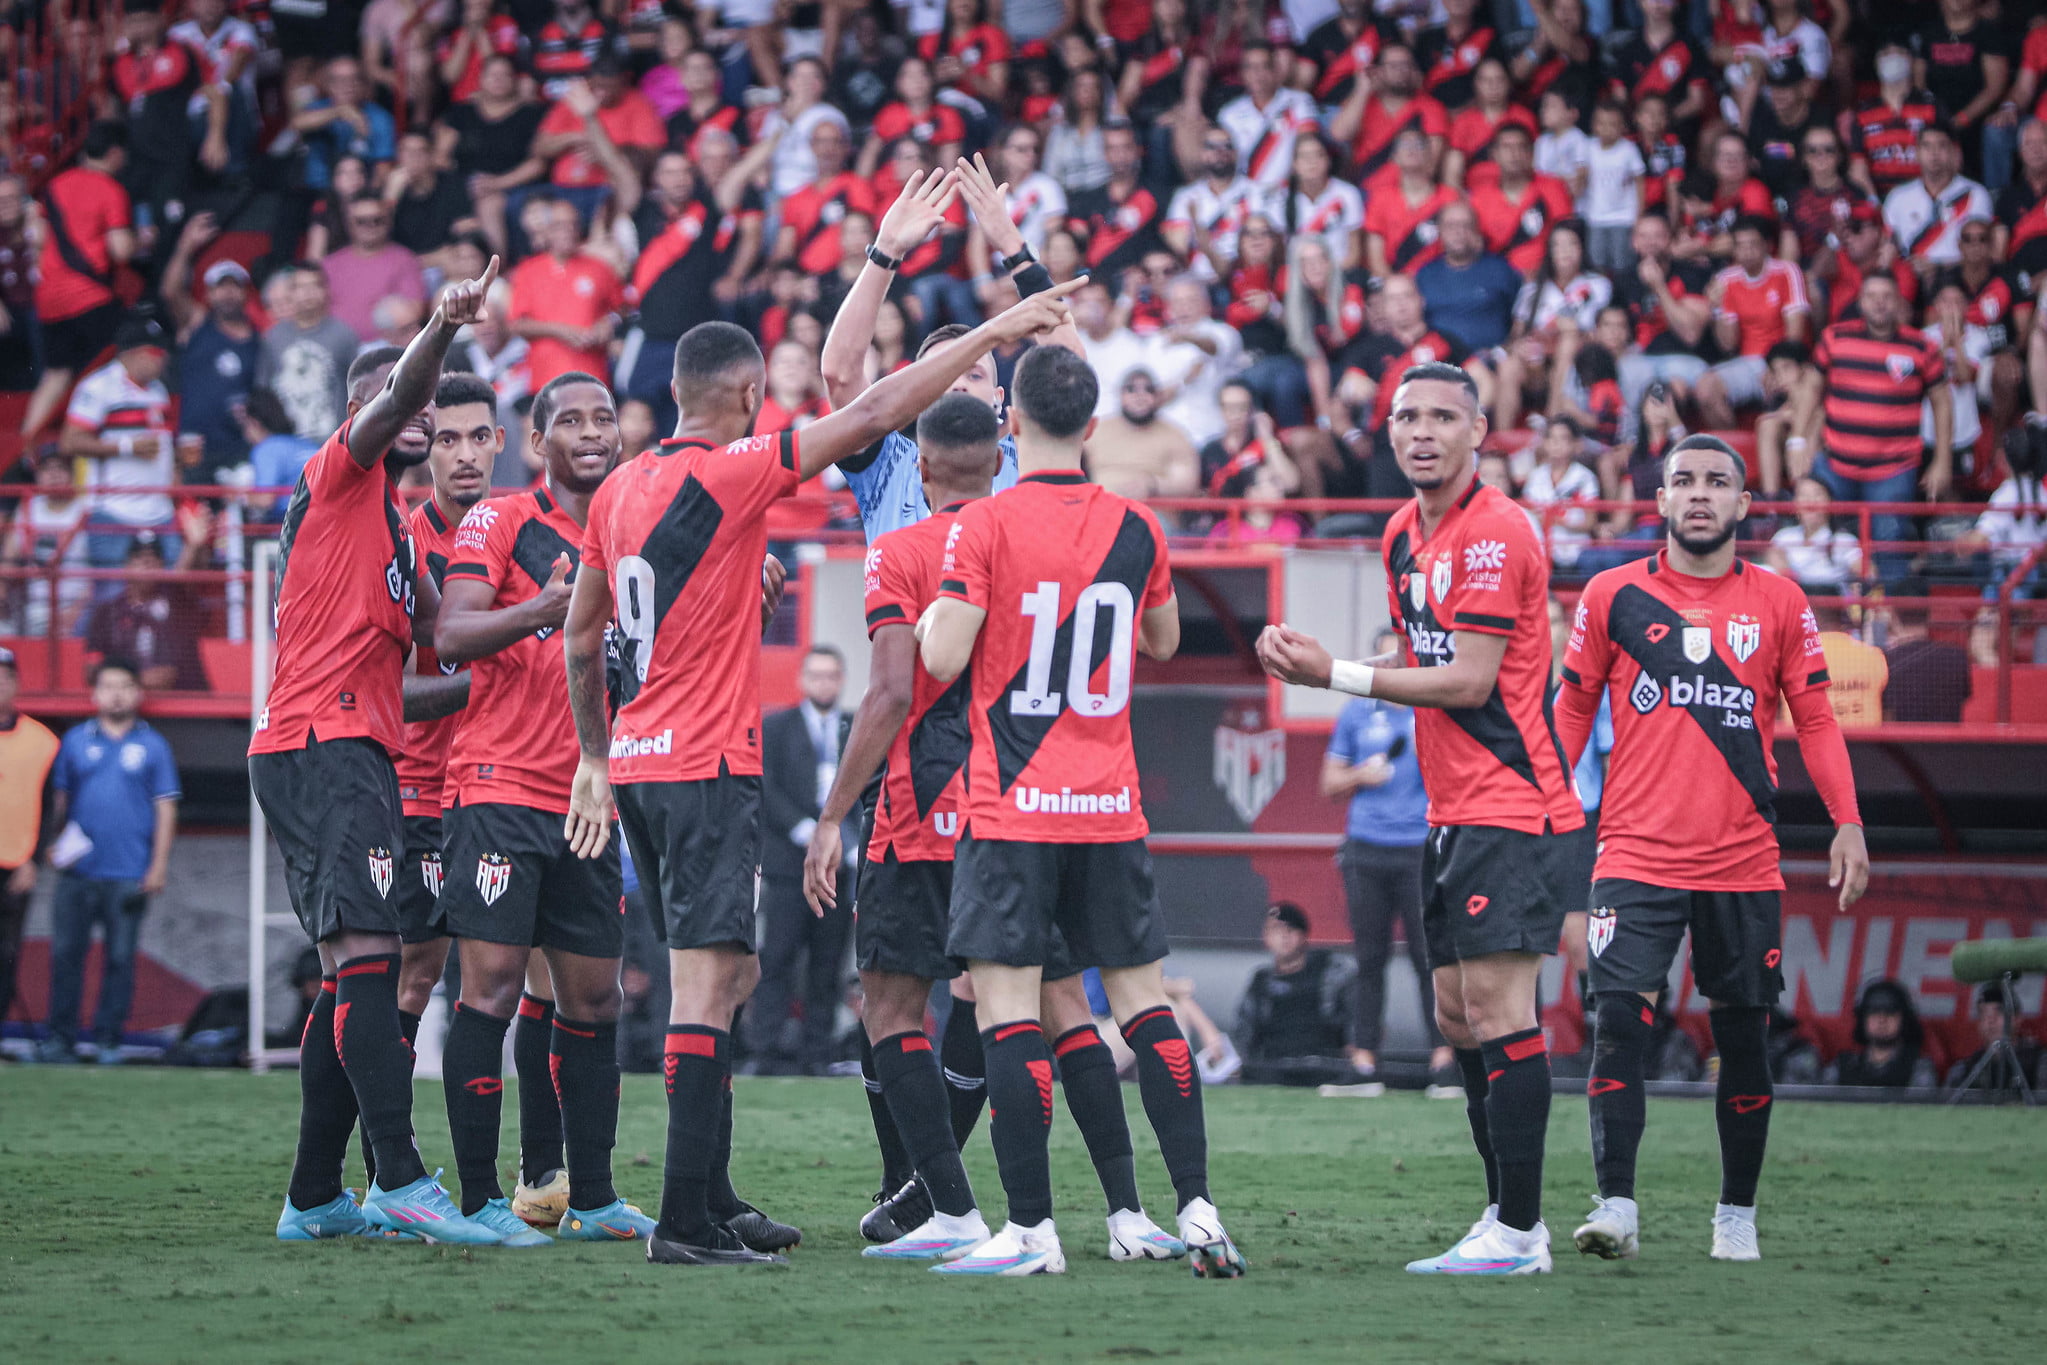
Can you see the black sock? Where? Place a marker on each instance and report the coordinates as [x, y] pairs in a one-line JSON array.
[[1741, 1099], [540, 1110], [966, 1070], [694, 1066], [1087, 1072], [584, 1062], [915, 1095], [326, 1109], [408, 1026], [1620, 1059], [472, 1077], [1471, 1062], [1020, 1116], [1171, 1088], [896, 1163], [378, 1063], [1517, 1120]]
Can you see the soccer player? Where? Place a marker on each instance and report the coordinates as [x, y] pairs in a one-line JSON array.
[[1033, 585], [516, 883], [675, 542], [905, 889], [349, 607], [1696, 650], [1469, 585]]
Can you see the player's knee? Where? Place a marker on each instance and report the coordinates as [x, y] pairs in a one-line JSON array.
[[1625, 1019]]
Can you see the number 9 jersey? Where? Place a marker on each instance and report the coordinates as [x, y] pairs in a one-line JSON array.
[[1064, 568]]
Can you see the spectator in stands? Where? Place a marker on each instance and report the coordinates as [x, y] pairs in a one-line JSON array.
[[329, 227], [306, 356], [88, 233], [277, 453], [1193, 357], [1379, 110], [117, 802], [48, 531], [1823, 558], [1778, 117], [1820, 207], [2020, 241], [1998, 313], [1565, 296], [1257, 310], [1264, 121], [1206, 214], [916, 114], [152, 624], [1324, 311], [2015, 521], [565, 301], [1964, 60], [1076, 152], [155, 80], [1473, 129], [1133, 453], [1865, 248], [1563, 51], [1965, 346], [119, 422], [1316, 201], [793, 121], [218, 349], [1925, 215], [601, 134], [228, 50], [480, 34], [811, 215], [488, 140], [1113, 350], [1470, 292], [28, 752], [1929, 679], [371, 267], [1404, 209], [1990, 1027], [1370, 765], [429, 205], [1562, 149], [1248, 440], [1517, 208], [1884, 130], [1757, 302], [1889, 1043], [342, 120], [20, 327], [1036, 202], [1721, 194], [1632, 472], [1667, 300], [567, 45], [1293, 1024], [397, 48], [1612, 197], [1560, 477]]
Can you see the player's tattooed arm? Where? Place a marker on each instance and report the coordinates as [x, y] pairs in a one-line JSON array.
[[433, 698], [891, 678], [588, 827], [413, 379]]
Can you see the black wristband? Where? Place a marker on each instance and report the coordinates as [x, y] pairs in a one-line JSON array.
[[1008, 264], [882, 258], [1032, 279]]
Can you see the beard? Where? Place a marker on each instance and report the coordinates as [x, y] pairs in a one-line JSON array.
[[1701, 545], [1140, 420]]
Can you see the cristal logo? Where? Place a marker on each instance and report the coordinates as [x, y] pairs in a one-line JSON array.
[[1066, 801], [1485, 554], [624, 746]]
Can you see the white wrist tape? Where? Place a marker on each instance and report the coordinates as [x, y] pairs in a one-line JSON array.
[[1347, 675]]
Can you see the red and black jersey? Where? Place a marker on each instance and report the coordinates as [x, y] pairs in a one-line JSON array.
[[422, 755], [1518, 228], [80, 207], [2025, 252], [1381, 358], [344, 600], [1874, 388], [1887, 139], [156, 90], [1995, 305], [1118, 232], [1603, 402], [1372, 149], [815, 212], [501, 38], [685, 125], [1660, 159], [682, 254], [1340, 55], [977, 48], [1060, 566], [1845, 290], [681, 532], [1816, 216], [1686, 279], [1751, 198], [515, 744], [1448, 63], [1472, 131], [1672, 71], [1409, 230], [1482, 570], [936, 126], [1257, 307], [560, 56], [917, 817], [1695, 669]]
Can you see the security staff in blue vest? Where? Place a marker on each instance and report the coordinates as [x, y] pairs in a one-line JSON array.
[[117, 802]]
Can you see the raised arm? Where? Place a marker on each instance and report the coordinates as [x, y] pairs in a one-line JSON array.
[[412, 382], [986, 202], [917, 212]]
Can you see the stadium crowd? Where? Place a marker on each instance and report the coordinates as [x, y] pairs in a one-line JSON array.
[[1821, 220]]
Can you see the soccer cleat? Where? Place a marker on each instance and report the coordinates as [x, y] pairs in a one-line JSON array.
[[1013, 1251], [1210, 1252], [424, 1210], [1483, 1225], [1734, 1233], [1134, 1237], [497, 1215], [1499, 1250], [943, 1238], [1610, 1230], [544, 1204], [339, 1217], [617, 1221], [894, 1215], [718, 1247], [758, 1232], [1363, 1090]]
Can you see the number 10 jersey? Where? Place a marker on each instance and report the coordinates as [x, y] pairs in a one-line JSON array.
[[1064, 568]]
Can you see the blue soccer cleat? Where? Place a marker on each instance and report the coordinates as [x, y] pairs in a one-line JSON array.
[[617, 1221], [339, 1217], [1013, 1251], [938, 1238], [424, 1210], [497, 1215], [1498, 1250]]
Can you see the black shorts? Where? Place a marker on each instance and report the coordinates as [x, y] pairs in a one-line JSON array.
[[697, 848], [1737, 940], [899, 918], [333, 807], [1579, 852], [1055, 905], [1487, 890], [419, 881], [74, 343], [511, 878]]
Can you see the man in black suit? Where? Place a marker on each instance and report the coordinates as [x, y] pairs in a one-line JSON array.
[[800, 750]]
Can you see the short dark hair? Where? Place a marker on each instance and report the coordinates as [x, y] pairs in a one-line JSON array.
[[1289, 914], [1797, 352], [708, 352], [1442, 372], [1057, 389], [459, 386], [128, 666], [267, 410], [958, 421], [828, 651], [367, 363], [1940, 126], [544, 401], [1752, 222], [103, 137], [1703, 441], [939, 336]]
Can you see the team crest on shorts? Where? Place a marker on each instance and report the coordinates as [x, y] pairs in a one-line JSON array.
[[1698, 643], [1744, 636], [493, 875], [430, 873], [380, 871], [1599, 929]]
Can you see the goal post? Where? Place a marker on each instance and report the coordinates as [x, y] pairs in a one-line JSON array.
[[262, 647]]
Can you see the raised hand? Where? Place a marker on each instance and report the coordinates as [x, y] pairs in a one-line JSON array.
[[1039, 313], [986, 202], [918, 212], [463, 303], [554, 595]]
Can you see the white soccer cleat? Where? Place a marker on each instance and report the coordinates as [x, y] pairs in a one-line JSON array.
[[1012, 1251], [940, 1238], [1483, 1225], [1611, 1231], [1210, 1251], [1134, 1237], [1499, 1250], [1734, 1233]]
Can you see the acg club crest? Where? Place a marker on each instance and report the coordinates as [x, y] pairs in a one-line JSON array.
[[1744, 636], [380, 870], [1250, 762], [430, 873], [1599, 929], [1698, 643], [493, 876], [1439, 578]]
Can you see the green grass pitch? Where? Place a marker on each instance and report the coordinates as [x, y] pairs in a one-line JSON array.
[[137, 1208]]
